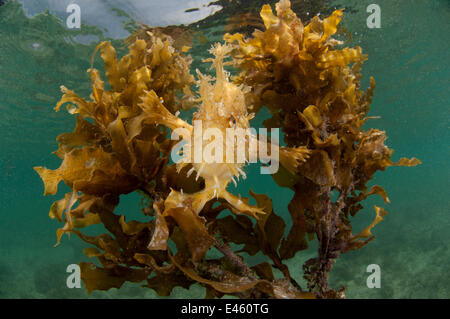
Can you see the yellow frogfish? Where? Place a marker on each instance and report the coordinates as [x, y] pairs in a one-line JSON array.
[[220, 121]]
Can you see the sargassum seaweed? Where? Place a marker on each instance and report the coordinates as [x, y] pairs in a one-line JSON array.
[[120, 144]]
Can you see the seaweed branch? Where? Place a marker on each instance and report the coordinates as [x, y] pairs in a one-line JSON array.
[[234, 259]]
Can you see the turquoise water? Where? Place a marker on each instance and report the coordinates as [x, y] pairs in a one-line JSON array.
[[408, 56]]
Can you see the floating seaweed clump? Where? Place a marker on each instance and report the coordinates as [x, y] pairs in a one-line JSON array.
[[120, 145]]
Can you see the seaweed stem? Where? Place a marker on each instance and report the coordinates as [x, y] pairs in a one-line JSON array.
[[234, 259]]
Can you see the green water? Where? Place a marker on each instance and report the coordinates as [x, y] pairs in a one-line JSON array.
[[408, 56]]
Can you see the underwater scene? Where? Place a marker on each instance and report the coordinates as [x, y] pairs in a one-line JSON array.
[[224, 149]]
